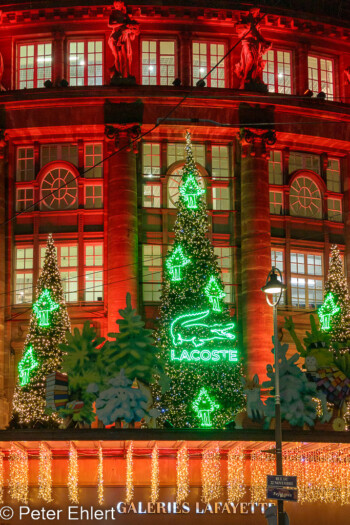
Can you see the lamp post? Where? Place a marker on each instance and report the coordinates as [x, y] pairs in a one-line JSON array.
[[273, 290]]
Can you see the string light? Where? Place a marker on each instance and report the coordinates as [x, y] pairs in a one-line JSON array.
[[129, 474], [235, 475], [100, 495], [1, 478], [155, 475], [18, 482], [182, 475], [262, 464], [211, 487], [45, 472], [73, 470]]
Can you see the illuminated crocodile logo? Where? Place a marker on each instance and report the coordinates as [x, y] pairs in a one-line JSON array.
[[181, 330]]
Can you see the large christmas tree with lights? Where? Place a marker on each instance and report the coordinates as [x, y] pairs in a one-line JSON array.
[[196, 336], [49, 323]]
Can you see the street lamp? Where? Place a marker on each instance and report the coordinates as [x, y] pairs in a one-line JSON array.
[[273, 290]]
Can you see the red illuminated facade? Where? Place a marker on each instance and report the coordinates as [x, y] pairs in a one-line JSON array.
[[275, 164]]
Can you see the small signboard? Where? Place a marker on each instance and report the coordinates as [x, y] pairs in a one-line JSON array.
[[282, 488]]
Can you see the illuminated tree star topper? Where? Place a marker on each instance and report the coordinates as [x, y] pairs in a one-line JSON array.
[[43, 307], [26, 365], [191, 190], [214, 293], [327, 310], [204, 405], [176, 261]]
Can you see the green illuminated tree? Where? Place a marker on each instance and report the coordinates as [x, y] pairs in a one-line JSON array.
[[45, 334], [196, 343]]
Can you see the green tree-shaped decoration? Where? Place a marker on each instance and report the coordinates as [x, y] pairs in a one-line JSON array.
[[190, 191], [197, 344], [26, 365], [133, 347], [214, 293], [29, 401], [328, 309], [204, 406], [176, 260], [43, 307]]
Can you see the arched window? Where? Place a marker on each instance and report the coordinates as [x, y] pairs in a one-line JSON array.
[[59, 189], [305, 198], [174, 180]]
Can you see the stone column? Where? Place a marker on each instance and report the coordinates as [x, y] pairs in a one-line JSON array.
[[256, 315], [122, 271], [4, 400]]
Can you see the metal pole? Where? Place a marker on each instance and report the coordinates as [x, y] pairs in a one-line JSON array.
[[278, 424]]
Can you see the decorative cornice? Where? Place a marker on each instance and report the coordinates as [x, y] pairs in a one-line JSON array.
[[130, 132], [256, 143]]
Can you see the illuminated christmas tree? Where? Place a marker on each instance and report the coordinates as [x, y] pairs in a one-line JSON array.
[[49, 323], [336, 285], [196, 336]]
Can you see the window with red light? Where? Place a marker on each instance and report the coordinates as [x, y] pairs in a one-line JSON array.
[[320, 75], [93, 156], [24, 198], [59, 189], [158, 62], [94, 272], [34, 65], [151, 164], [23, 274], [151, 195], [85, 63], [276, 202], [206, 55], [25, 164], [277, 73], [93, 196]]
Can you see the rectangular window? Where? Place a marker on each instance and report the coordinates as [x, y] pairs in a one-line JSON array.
[[93, 196], [204, 57], [34, 65], [275, 167], [306, 280], [277, 72], [176, 152], [334, 209], [86, 63], [24, 199], [23, 275], [93, 272], [333, 175], [67, 260], [151, 272], [25, 164], [276, 202], [320, 73], [224, 255], [277, 261], [151, 164], [220, 164], [304, 161], [151, 195], [158, 62], [221, 198], [51, 152], [92, 156]]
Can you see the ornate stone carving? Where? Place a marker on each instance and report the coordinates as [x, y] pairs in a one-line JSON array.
[[251, 65], [124, 30], [256, 142], [130, 133]]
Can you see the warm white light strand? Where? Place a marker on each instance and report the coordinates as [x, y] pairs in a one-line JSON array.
[[182, 475], [155, 475], [211, 484], [129, 474], [100, 488], [73, 470], [45, 472], [235, 475], [18, 482]]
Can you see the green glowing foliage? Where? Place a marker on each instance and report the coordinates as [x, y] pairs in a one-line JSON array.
[[48, 325], [190, 191], [197, 344], [328, 309], [203, 405], [43, 307], [175, 262], [26, 365], [214, 293]]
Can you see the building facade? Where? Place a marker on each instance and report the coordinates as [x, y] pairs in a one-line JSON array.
[[93, 160]]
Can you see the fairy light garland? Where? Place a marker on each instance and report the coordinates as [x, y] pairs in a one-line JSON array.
[[155, 475], [129, 474], [45, 472], [100, 488], [73, 471], [182, 475], [235, 475], [18, 482], [1, 478], [262, 464], [211, 483]]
